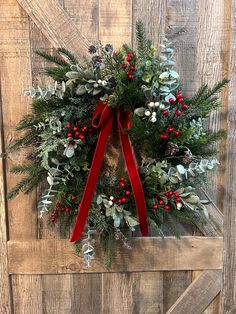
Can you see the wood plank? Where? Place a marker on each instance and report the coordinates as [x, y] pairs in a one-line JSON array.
[[228, 299], [56, 25], [87, 296], [115, 22], [133, 293], [213, 52], [174, 284], [27, 296], [15, 52], [199, 294], [5, 293], [152, 13], [147, 254]]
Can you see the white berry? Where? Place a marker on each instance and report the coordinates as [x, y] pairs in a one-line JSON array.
[[179, 205], [154, 114], [104, 83], [99, 81], [156, 104], [153, 119], [111, 198], [162, 106], [147, 113], [151, 104], [110, 203]]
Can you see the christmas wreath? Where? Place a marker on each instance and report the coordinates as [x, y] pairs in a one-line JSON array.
[[132, 102]]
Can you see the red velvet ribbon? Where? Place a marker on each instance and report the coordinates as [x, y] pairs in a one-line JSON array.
[[107, 114]]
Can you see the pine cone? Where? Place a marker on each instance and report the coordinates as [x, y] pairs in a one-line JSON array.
[[172, 149], [187, 159]]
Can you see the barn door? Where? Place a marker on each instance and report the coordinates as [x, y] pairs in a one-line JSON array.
[[40, 273]]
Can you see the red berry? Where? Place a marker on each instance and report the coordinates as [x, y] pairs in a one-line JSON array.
[[123, 200], [176, 194], [68, 125], [120, 201], [53, 219], [132, 68], [155, 206], [179, 95], [184, 107], [67, 209], [77, 134], [164, 136], [130, 77], [178, 199], [127, 193], [171, 193], [165, 112], [161, 202], [168, 207], [127, 73], [75, 128], [91, 130], [63, 209], [124, 66], [177, 133], [178, 113], [171, 130], [55, 211], [84, 128], [81, 137], [72, 142], [167, 194], [74, 198], [52, 214], [171, 100], [122, 184], [180, 100], [69, 135], [122, 179], [130, 55], [79, 121]]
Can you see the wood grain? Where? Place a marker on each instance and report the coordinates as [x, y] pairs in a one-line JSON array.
[[228, 300], [199, 294], [149, 254], [115, 20], [5, 293], [56, 25]]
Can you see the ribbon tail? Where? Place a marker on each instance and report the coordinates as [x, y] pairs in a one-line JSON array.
[[134, 178], [92, 180]]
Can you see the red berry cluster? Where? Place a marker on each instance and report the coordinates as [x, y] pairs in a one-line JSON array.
[[122, 199], [77, 131], [169, 197], [171, 132], [60, 208], [129, 66], [179, 101]]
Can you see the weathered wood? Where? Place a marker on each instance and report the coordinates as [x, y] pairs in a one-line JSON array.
[[115, 19], [87, 293], [199, 294], [15, 77], [5, 304], [56, 25], [149, 254], [152, 13], [174, 284], [27, 294], [228, 300]]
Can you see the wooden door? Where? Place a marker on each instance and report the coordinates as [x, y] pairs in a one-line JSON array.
[[40, 273]]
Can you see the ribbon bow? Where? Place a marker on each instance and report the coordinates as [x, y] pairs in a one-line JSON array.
[[107, 114]]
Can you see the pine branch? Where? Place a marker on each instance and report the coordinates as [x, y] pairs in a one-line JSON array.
[[50, 58], [142, 42], [57, 73], [26, 122], [72, 59], [23, 141]]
